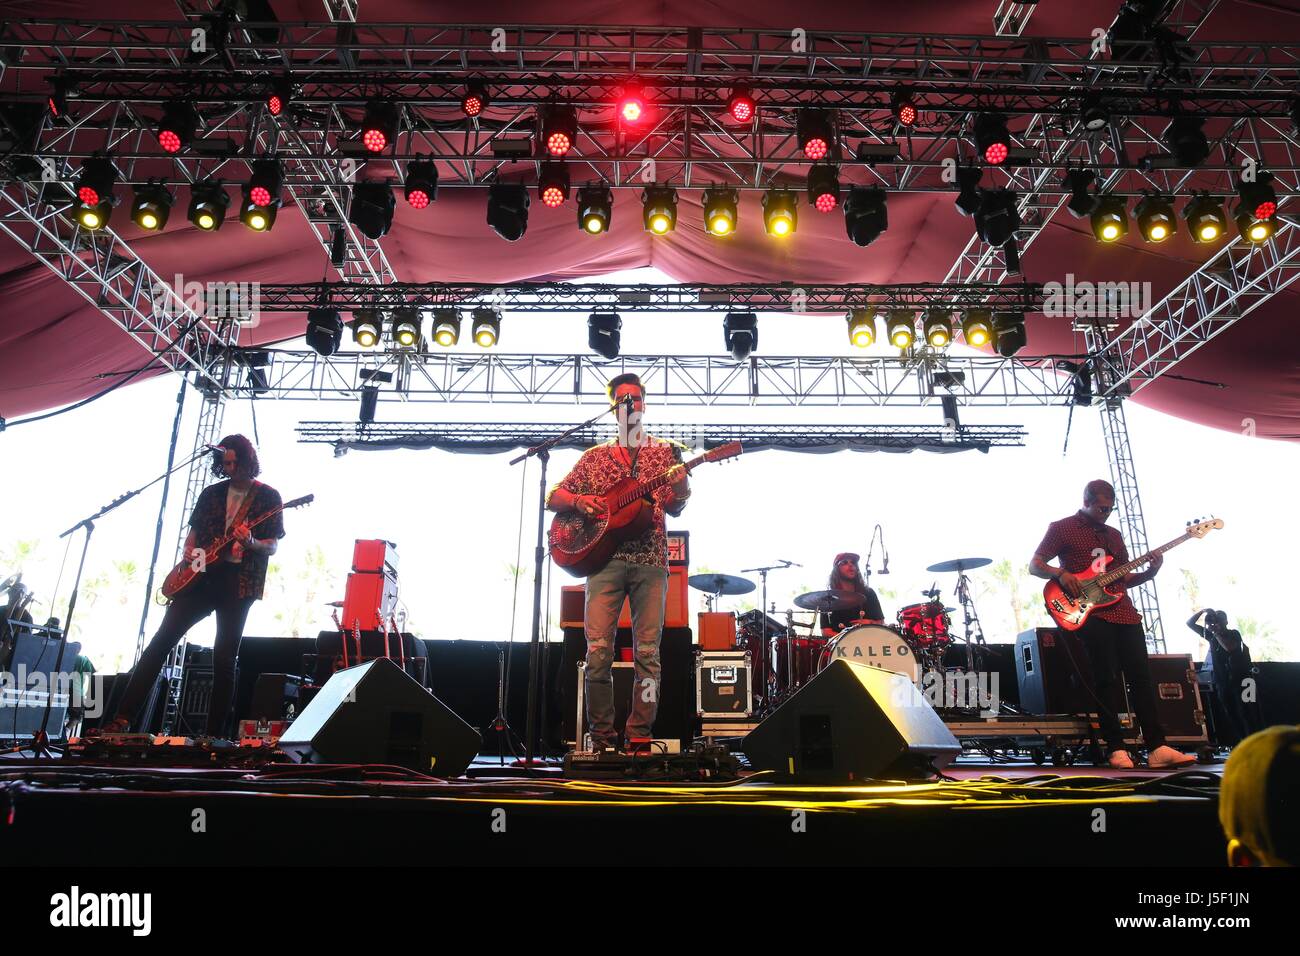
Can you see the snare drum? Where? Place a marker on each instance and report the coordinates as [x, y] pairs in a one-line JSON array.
[[925, 625], [875, 646]]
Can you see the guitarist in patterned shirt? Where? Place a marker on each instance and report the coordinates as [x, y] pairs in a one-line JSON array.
[[229, 587], [637, 571]]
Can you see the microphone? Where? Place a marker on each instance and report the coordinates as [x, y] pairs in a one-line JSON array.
[[628, 402], [885, 569], [789, 564], [217, 448]]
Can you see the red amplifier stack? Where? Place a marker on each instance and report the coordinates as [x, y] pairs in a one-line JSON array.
[[371, 597]]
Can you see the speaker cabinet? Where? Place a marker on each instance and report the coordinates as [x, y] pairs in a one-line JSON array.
[[1055, 675], [375, 713], [853, 722]]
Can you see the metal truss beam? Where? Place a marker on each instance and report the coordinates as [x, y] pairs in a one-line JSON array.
[[643, 297], [480, 436], [920, 379]]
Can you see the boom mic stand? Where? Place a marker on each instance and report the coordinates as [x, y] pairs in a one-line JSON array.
[[542, 451]]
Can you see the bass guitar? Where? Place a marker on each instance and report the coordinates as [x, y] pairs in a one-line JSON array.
[[583, 545], [1098, 584], [192, 565]]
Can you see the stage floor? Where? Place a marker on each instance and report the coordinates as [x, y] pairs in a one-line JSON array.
[[987, 814]]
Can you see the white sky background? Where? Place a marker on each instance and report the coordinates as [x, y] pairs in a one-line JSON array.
[[456, 518]]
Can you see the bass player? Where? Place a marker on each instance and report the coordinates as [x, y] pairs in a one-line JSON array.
[[637, 571], [228, 586], [1112, 634]]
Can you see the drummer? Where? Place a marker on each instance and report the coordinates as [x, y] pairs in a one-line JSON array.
[[846, 576]]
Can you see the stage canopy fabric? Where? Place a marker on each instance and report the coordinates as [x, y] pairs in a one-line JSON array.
[[56, 348]]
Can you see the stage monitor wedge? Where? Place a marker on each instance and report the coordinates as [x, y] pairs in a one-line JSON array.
[[377, 714], [853, 722]]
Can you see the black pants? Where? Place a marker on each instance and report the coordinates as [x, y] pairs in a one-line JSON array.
[[1231, 671], [217, 589], [1118, 652]]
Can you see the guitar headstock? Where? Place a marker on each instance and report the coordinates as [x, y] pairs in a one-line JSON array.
[[730, 450], [1199, 528], [299, 502]]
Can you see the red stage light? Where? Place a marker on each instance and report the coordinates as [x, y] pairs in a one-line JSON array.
[[375, 140], [631, 108], [553, 196], [275, 104], [742, 109], [996, 154], [815, 149], [170, 141], [472, 104], [906, 114], [826, 202], [260, 196], [88, 196], [417, 198], [1265, 210], [557, 144]]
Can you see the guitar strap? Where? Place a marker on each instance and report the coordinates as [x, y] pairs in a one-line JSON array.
[[245, 505]]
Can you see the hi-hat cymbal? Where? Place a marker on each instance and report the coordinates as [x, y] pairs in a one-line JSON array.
[[720, 583], [959, 564], [831, 600]]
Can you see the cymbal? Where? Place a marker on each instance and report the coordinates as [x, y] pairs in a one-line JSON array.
[[831, 600], [960, 564], [720, 583]]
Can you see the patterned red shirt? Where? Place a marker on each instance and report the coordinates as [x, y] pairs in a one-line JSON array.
[[1074, 540], [600, 467]]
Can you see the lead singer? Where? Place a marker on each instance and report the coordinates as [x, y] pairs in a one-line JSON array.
[[228, 586], [637, 571]]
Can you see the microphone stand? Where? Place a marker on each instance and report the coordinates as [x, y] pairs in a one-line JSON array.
[[762, 617], [40, 740], [541, 451]]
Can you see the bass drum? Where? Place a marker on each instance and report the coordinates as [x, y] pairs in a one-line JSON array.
[[875, 646]]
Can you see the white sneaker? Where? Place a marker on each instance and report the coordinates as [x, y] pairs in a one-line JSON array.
[[1165, 757], [1120, 760]]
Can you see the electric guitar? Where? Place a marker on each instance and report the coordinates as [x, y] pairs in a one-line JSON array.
[[582, 544], [1097, 591], [192, 565]]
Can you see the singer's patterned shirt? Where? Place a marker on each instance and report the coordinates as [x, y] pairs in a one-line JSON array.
[[600, 467], [1073, 540], [209, 524]]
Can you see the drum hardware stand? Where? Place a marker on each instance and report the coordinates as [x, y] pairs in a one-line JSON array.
[[542, 451], [972, 618], [762, 610]]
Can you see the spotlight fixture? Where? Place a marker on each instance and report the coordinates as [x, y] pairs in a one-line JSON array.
[[208, 203], [57, 101], [740, 333], [369, 404], [977, 327], [631, 105], [446, 327], [1110, 218], [487, 327], [1256, 212], [595, 208], [1186, 141], [938, 328], [553, 185], [279, 97], [177, 126], [1093, 113], [659, 209], [866, 214], [603, 333], [998, 217], [823, 188], [366, 327], [262, 196], [1205, 217], [406, 327], [1009, 327], [324, 330], [815, 133], [379, 125], [507, 210], [559, 129], [371, 209], [968, 192], [475, 99], [151, 206], [901, 328], [421, 184], [721, 210], [95, 192], [862, 328], [780, 213], [1082, 199], [1155, 217], [992, 138], [741, 104], [904, 109]]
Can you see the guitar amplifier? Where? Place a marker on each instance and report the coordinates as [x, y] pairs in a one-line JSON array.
[[375, 556], [370, 599], [1055, 675]]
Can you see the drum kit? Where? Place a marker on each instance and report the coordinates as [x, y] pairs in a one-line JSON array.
[[786, 656]]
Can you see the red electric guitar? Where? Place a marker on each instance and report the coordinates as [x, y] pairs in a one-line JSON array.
[[583, 545], [1097, 591], [190, 566]]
